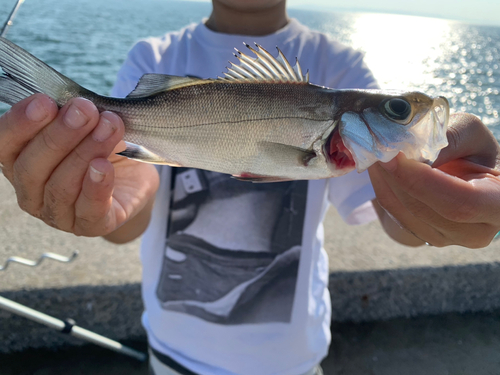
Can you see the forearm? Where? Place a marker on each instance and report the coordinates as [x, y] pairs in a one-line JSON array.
[[394, 230], [132, 228]]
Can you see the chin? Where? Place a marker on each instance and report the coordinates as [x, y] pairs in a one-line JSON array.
[[249, 5]]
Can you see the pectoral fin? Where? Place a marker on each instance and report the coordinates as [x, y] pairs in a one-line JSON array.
[[285, 154], [141, 153]]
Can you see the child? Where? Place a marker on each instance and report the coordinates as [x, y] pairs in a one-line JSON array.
[[234, 274], [240, 287]]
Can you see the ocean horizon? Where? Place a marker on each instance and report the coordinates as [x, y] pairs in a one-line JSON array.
[[87, 40]]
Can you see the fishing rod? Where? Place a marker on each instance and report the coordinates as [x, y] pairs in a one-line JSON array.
[[67, 326], [9, 21]]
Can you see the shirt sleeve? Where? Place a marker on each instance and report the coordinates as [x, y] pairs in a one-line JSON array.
[[140, 60], [358, 75], [351, 195]]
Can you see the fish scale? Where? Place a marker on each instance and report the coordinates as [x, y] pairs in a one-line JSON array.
[[270, 125]]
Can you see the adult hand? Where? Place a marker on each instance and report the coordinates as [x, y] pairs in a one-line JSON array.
[[457, 200], [59, 162]]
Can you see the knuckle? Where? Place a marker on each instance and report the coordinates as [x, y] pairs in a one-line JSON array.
[[412, 186], [21, 175], [385, 200], [483, 235], [81, 157], [463, 212], [88, 219], [474, 243], [27, 205], [453, 136], [473, 120], [55, 217], [22, 203], [419, 210], [49, 219], [442, 241], [91, 225], [439, 239], [472, 237], [57, 195], [50, 143]]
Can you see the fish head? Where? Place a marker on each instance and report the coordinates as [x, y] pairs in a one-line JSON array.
[[377, 125]]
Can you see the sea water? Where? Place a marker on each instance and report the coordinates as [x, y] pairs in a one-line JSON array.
[[87, 40]]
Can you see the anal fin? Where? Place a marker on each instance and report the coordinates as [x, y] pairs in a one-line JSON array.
[[142, 154]]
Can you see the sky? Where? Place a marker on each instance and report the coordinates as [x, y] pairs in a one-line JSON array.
[[474, 11]]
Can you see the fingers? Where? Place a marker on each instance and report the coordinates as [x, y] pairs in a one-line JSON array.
[[469, 139], [423, 220], [451, 197], [93, 214], [48, 161], [20, 124], [40, 157], [399, 212], [65, 183]]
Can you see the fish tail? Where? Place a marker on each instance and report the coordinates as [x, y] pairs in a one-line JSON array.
[[25, 75]]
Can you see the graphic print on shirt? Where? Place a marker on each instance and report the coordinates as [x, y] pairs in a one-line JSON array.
[[233, 249]]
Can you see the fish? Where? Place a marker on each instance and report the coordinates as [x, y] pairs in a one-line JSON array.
[[261, 121]]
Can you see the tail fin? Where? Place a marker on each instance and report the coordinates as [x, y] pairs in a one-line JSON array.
[[25, 75]]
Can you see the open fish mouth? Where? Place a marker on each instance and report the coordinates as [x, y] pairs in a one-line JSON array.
[[337, 153]]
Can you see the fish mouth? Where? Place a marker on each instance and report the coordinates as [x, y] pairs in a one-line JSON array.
[[337, 153]]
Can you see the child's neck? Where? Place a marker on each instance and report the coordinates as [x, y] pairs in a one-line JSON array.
[[231, 20]]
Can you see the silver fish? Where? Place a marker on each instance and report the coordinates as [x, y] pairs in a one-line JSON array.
[[263, 121]]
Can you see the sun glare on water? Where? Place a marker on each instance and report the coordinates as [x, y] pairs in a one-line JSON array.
[[401, 50], [435, 56]]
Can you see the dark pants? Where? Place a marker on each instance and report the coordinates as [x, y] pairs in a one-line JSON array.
[[167, 366]]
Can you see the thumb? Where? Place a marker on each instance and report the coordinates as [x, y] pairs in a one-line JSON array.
[[469, 139]]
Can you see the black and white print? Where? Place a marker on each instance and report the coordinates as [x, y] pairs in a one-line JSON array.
[[233, 248]]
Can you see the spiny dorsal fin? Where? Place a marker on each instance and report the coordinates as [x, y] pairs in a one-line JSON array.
[[151, 84], [264, 67]]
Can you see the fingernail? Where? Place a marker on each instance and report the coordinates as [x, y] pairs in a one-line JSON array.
[[390, 166], [35, 111], [96, 175], [104, 130], [74, 118]]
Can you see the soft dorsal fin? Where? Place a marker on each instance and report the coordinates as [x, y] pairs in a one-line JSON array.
[[264, 67], [151, 84]]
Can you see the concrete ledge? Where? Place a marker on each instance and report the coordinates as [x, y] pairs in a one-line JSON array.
[[371, 278], [112, 311], [382, 295]]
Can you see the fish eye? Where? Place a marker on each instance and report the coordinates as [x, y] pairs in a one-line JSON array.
[[397, 109]]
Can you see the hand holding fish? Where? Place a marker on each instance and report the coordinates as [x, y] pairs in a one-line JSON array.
[[231, 125], [457, 200], [57, 162]]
